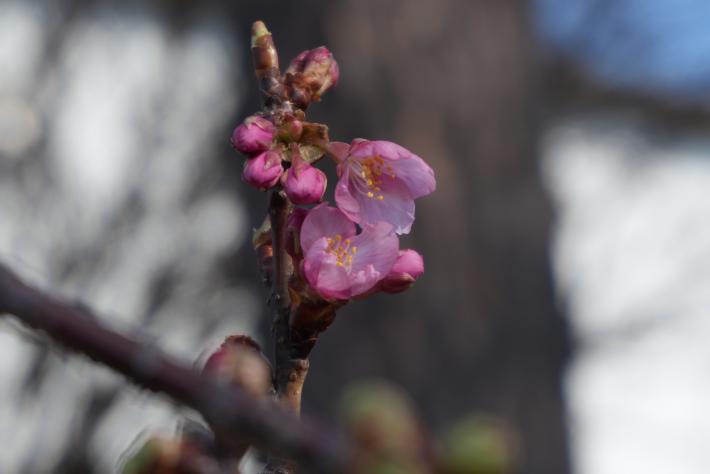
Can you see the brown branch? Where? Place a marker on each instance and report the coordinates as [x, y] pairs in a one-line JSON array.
[[291, 344], [281, 303], [290, 373], [227, 409]]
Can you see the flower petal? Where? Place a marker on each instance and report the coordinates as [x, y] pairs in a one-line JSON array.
[[377, 250], [395, 207], [410, 168], [338, 150], [323, 274], [345, 199], [324, 221], [416, 174]]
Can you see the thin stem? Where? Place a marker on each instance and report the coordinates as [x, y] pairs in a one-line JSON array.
[[290, 373], [280, 299], [290, 350], [228, 409]]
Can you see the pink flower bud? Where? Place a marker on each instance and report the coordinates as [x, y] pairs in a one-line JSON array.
[[264, 170], [303, 183], [254, 135], [298, 63], [313, 73], [319, 65], [406, 269]]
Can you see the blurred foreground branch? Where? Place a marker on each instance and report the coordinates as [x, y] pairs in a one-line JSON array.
[[227, 409]]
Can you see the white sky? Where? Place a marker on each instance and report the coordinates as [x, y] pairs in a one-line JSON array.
[[632, 256]]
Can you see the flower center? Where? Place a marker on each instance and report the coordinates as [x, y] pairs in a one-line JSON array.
[[342, 250], [372, 170]]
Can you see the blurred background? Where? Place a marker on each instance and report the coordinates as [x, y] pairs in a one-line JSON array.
[[567, 246]]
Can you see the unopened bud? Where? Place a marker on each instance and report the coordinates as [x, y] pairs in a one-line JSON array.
[[406, 269], [311, 74], [480, 444], [382, 421], [266, 61], [303, 183], [254, 135], [264, 170], [239, 361]]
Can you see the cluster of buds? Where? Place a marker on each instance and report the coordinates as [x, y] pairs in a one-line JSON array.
[[342, 252], [279, 153]]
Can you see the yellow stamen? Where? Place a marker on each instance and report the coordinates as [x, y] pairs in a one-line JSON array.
[[342, 250], [372, 169]]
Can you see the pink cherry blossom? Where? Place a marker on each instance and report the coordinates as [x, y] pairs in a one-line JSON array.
[[303, 183], [340, 264], [254, 135], [264, 170], [379, 181], [406, 269]]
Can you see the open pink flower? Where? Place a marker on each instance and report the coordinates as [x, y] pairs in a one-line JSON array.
[[379, 181], [339, 264]]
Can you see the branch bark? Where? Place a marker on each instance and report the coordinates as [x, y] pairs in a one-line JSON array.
[[290, 373], [227, 409]]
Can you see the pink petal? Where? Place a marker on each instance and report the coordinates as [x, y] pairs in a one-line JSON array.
[[338, 150], [416, 174], [396, 207], [410, 168], [410, 262], [361, 148], [345, 199], [363, 280], [324, 221], [377, 250], [330, 280]]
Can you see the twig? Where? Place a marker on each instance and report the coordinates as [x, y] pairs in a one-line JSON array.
[[227, 409], [290, 373]]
